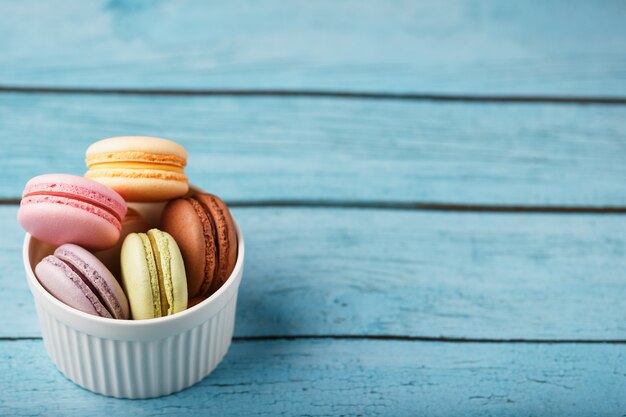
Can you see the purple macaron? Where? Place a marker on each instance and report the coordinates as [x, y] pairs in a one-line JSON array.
[[76, 277]]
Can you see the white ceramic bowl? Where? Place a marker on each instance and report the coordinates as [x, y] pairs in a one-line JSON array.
[[135, 358]]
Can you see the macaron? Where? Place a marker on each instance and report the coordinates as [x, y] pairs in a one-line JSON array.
[[77, 278], [205, 232], [132, 223], [139, 168], [153, 275], [62, 208]]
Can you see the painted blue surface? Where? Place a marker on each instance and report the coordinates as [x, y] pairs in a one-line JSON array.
[[249, 149], [563, 47], [387, 279], [355, 377], [407, 273]]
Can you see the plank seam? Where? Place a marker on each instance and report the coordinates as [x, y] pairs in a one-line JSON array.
[[430, 206], [244, 339], [360, 95], [410, 206]]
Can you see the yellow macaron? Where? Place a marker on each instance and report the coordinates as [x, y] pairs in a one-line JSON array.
[[139, 168]]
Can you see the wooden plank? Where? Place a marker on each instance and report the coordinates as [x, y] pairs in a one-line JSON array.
[[321, 378], [468, 47], [376, 272], [324, 149]]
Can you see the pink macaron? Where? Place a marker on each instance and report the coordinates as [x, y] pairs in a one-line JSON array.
[[62, 208]]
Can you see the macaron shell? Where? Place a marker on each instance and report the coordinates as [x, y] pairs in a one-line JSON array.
[[177, 279], [77, 187], [60, 281], [59, 220], [226, 237], [108, 290], [195, 301], [137, 279], [180, 220], [136, 143], [142, 185]]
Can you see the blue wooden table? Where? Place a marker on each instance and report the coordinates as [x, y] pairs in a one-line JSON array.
[[433, 194]]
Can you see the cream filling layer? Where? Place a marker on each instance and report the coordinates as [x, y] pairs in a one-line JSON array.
[[154, 274], [136, 156], [136, 173]]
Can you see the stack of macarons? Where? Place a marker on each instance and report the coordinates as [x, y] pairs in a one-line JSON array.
[[109, 260]]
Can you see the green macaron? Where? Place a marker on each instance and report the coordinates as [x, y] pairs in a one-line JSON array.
[[153, 275]]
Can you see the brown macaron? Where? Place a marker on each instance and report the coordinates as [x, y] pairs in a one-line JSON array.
[[204, 230]]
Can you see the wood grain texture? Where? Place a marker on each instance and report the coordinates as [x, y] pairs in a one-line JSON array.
[[463, 47], [323, 149], [321, 378], [370, 272]]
